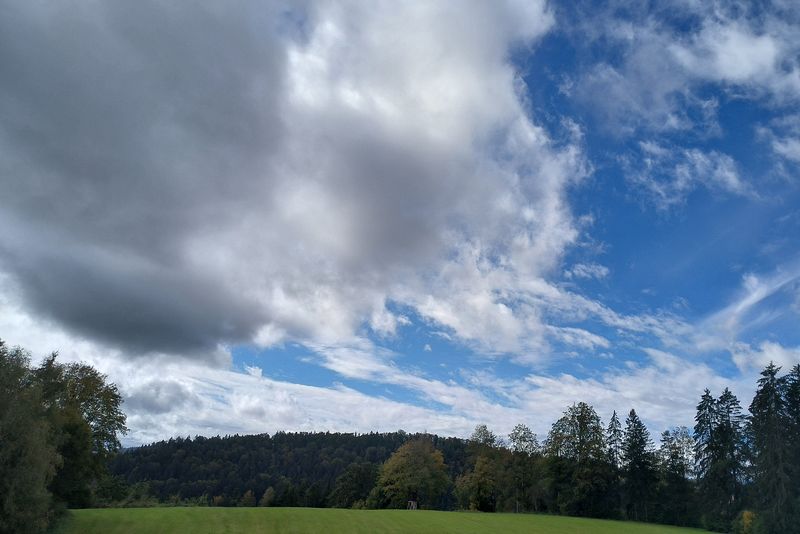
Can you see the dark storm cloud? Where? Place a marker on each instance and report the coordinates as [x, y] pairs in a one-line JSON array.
[[125, 127]]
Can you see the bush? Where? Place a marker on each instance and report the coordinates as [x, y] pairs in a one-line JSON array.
[[744, 522]]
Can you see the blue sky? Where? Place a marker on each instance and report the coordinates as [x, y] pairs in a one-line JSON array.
[[367, 216]]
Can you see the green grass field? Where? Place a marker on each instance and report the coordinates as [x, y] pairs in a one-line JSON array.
[[332, 521]]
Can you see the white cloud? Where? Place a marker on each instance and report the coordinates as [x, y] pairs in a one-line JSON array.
[[669, 174], [177, 398], [731, 52], [578, 337], [721, 329], [749, 359], [788, 147], [654, 80], [253, 370], [587, 271]]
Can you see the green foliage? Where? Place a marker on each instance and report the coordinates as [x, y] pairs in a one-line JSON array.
[[675, 503], [415, 472], [745, 523], [58, 428], [614, 437], [526, 469], [720, 453], [578, 465], [638, 466], [478, 489], [27, 455], [771, 451], [353, 485], [483, 437], [73, 482], [82, 389], [578, 435], [522, 440], [110, 490]]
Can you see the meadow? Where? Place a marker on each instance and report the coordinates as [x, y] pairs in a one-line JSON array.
[[332, 521]]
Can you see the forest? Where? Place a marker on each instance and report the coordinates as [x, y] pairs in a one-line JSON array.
[[736, 470], [733, 471]]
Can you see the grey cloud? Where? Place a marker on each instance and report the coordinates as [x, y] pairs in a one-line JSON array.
[[126, 129], [184, 177], [159, 396]]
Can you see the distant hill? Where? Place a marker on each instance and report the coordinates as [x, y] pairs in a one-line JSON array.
[[302, 468]]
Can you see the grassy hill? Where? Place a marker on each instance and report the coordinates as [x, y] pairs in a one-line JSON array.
[[332, 521]]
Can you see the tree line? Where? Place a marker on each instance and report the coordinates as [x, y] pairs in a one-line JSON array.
[[59, 427], [732, 471]]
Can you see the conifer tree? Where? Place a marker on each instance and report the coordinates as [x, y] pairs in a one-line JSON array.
[[614, 441], [720, 458], [614, 437], [676, 460], [638, 467], [705, 423], [792, 388], [768, 431]]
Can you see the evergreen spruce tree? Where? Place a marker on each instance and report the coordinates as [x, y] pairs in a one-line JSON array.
[[675, 495], [768, 430], [614, 441], [614, 438], [792, 388], [705, 423], [720, 458], [638, 468]]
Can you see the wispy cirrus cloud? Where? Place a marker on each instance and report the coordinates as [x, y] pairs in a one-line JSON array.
[[587, 270], [668, 174]]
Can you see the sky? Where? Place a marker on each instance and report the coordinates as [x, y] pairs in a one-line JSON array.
[[370, 216]]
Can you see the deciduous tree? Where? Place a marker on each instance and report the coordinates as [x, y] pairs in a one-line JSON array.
[[416, 471], [27, 455]]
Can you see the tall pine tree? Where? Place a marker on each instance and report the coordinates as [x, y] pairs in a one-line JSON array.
[[768, 430], [638, 468], [792, 388], [675, 490], [705, 423], [614, 441], [720, 453]]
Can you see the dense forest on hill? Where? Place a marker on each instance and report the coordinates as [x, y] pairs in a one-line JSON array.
[[731, 471], [301, 468]]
